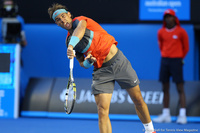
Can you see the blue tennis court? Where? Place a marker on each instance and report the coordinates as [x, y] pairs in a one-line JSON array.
[[59, 125]]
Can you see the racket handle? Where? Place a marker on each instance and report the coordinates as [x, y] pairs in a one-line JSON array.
[[71, 63]]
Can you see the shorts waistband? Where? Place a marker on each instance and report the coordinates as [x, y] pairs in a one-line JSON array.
[[111, 60]]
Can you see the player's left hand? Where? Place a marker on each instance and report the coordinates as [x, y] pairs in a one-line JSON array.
[[90, 58]]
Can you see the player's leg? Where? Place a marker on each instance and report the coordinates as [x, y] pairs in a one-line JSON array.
[[140, 105], [102, 88], [141, 108], [103, 106], [127, 78]]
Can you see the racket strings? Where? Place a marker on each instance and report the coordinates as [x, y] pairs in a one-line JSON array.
[[70, 97]]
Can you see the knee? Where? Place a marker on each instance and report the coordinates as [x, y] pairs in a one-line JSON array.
[[139, 101], [102, 112]]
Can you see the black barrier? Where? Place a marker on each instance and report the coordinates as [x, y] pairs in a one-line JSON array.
[[37, 95], [48, 95]]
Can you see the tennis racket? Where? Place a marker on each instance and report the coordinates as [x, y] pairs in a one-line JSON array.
[[70, 96]]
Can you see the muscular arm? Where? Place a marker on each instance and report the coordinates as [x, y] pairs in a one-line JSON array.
[[80, 29], [80, 60], [89, 58], [78, 32]]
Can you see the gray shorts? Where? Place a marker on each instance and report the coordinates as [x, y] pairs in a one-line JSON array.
[[117, 69]]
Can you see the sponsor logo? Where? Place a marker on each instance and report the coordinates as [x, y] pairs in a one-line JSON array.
[[160, 3], [175, 37], [56, 12], [119, 96]]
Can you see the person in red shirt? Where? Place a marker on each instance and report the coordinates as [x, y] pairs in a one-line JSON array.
[[174, 46], [95, 47]]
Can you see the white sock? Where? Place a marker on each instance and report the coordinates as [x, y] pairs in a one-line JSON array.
[[166, 111], [148, 127], [182, 112]]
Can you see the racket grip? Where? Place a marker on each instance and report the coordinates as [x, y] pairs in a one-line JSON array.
[[71, 63]]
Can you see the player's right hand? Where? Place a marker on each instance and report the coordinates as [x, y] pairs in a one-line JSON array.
[[70, 53]]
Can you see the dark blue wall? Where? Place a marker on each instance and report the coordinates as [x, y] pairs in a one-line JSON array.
[[45, 54]]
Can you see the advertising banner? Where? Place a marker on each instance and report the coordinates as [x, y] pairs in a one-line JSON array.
[[152, 10], [121, 103]]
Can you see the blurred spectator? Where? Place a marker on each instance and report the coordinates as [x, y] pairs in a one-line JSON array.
[[12, 24], [174, 45]]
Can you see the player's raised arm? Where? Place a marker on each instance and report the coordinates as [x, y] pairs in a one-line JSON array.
[[80, 29], [77, 35]]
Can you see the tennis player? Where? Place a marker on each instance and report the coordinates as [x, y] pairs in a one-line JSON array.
[[95, 47]]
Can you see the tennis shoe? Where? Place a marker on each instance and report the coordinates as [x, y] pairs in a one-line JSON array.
[[163, 119], [151, 132], [181, 120]]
